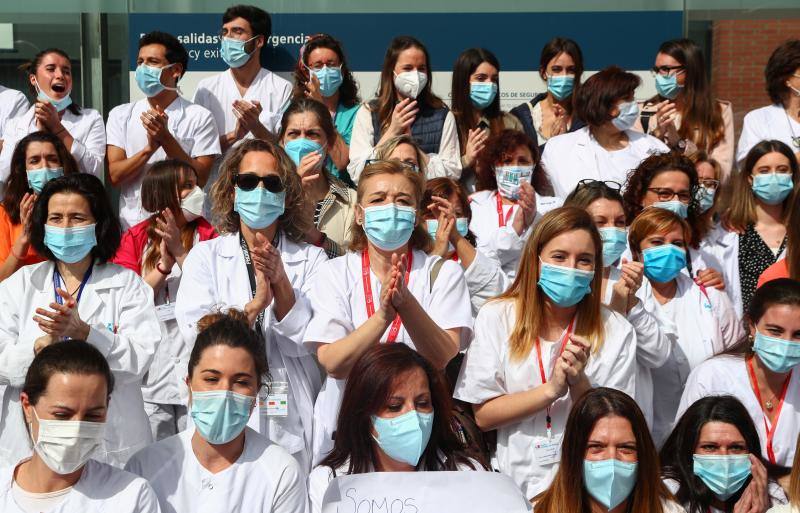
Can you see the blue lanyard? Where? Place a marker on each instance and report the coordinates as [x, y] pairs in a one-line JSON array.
[[57, 280]]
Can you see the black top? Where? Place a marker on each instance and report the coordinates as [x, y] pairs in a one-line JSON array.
[[754, 258]]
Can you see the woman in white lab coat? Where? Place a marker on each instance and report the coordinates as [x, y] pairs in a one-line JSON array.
[[155, 249], [396, 417], [386, 289], [608, 148], [511, 198], [78, 294], [781, 120], [261, 265], [542, 344], [700, 321], [406, 103], [622, 279], [65, 400], [221, 465], [752, 233], [80, 129], [761, 370]]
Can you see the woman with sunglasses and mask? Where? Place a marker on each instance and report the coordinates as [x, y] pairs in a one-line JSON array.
[[608, 461], [79, 129], [762, 370], [700, 322], [712, 460], [406, 105], [65, 400], [155, 249], [38, 158], [684, 113], [386, 289], [322, 74], [622, 279], [261, 265], [221, 465], [395, 417]]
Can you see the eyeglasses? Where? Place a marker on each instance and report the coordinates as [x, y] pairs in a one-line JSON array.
[[709, 183], [319, 65], [668, 194], [249, 181], [405, 163], [600, 184], [666, 71]]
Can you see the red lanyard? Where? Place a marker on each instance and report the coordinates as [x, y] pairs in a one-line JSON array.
[[564, 340], [395, 327], [502, 221], [770, 432]]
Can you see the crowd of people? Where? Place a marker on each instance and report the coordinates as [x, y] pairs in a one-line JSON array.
[[595, 296]]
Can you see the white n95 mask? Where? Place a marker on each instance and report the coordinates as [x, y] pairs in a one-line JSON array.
[[66, 445], [410, 83]]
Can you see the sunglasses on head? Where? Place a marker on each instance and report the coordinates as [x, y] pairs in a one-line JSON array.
[[249, 181]]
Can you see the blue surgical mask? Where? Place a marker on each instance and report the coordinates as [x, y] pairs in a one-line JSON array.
[[510, 178], [724, 475], [220, 415], [232, 52], [773, 188], [667, 87], [615, 242], [404, 438], [482, 94], [330, 80], [565, 286], [705, 199], [628, 114], [462, 226], [300, 147], [37, 178], [389, 226], [259, 208], [779, 355], [561, 86], [678, 208], [60, 105], [148, 79], [610, 481], [70, 244], [663, 263]]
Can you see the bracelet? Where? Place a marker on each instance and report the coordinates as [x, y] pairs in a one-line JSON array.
[[159, 269], [63, 129]]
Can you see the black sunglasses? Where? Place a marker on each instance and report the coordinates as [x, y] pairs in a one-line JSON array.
[[249, 181], [403, 163], [601, 184]]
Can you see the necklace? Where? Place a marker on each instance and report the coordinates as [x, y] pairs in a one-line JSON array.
[[795, 138]]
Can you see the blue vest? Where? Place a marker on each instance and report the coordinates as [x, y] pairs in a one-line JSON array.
[[426, 130]]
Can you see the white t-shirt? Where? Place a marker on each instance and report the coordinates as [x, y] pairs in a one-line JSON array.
[[339, 305], [727, 375], [488, 372], [191, 125], [264, 477], [766, 123], [31, 502]]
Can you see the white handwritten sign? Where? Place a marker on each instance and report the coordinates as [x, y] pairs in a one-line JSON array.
[[424, 492]]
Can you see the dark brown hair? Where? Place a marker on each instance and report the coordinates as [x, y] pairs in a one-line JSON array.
[[465, 112], [348, 91], [601, 92], [301, 105], [18, 176], [793, 236], [783, 62], [498, 145], [368, 387], [553, 49], [444, 187], [31, 67]]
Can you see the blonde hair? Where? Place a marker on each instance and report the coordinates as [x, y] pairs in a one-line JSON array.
[[529, 299], [655, 220], [384, 151], [420, 239], [294, 222]]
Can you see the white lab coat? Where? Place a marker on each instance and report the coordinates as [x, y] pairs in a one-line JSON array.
[[727, 375], [339, 306], [502, 243], [485, 280], [574, 156], [701, 325], [13, 103], [191, 125], [215, 278], [87, 130], [489, 372], [763, 124], [445, 163], [100, 489], [265, 478], [776, 494], [118, 306]]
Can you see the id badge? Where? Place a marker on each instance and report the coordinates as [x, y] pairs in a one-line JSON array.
[[166, 312], [274, 399], [547, 450]]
